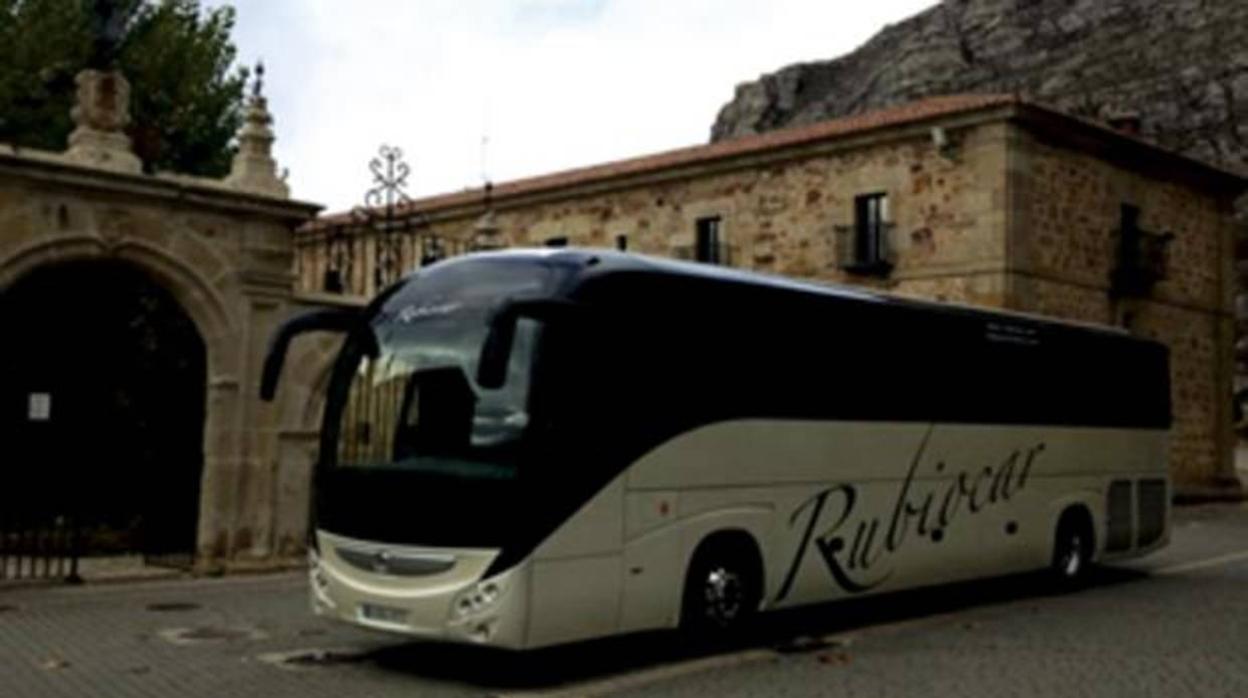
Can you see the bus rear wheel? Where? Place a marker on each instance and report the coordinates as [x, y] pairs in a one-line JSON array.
[[1072, 550], [722, 590]]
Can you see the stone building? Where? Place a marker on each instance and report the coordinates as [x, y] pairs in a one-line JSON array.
[[990, 200]]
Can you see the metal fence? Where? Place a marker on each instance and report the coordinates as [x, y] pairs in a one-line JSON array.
[[32, 548], [358, 260], [361, 252]]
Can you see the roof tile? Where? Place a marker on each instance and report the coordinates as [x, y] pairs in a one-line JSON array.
[[919, 110], [912, 111]]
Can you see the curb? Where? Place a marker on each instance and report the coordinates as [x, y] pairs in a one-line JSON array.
[[231, 572]]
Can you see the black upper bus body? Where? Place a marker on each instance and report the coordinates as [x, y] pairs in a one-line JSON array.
[[653, 348]]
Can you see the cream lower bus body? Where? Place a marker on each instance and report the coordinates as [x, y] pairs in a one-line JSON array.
[[529, 449], [908, 506]]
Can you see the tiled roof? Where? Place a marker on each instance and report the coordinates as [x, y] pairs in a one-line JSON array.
[[919, 110], [913, 111]]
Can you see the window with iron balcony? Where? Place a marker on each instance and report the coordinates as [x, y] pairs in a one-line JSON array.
[[864, 247], [1140, 256]]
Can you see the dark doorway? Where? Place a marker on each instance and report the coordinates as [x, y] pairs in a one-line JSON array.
[[102, 379]]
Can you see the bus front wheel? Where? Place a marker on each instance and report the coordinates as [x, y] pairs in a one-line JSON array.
[[723, 587], [1072, 549]]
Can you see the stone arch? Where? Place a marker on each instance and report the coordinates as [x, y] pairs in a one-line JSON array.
[[304, 385], [125, 367], [207, 307], [299, 408], [201, 300], [315, 408]]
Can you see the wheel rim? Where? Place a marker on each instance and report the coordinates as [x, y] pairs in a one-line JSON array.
[[723, 594], [1072, 561]]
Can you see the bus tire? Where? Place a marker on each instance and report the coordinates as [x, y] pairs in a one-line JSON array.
[[1072, 549], [723, 587]]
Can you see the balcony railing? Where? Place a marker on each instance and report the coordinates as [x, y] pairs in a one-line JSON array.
[[720, 253], [865, 249], [1141, 261], [359, 260]]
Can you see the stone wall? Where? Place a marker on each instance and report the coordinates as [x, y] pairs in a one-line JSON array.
[[1063, 237], [779, 216]]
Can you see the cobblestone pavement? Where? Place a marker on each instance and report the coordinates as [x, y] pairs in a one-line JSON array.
[[1174, 624]]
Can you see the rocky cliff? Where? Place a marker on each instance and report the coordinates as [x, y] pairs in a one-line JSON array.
[[1181, 66]]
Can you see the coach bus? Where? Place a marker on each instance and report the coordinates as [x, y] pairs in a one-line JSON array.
[[528, 448]]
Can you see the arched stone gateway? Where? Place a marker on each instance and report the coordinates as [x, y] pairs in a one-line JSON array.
[[102, 386], [79, 244], [135, 311]]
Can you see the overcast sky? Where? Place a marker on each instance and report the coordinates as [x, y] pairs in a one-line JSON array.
[[551, 84]]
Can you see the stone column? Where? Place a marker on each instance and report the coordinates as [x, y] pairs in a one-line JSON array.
[[222, 462]]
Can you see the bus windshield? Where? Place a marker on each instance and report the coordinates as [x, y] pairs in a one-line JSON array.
[[415, 405], [406, 415]]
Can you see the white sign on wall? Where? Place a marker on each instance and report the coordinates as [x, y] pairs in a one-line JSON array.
[[39, 407]]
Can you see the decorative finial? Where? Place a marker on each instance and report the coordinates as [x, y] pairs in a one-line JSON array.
[[485, 151], [254, 169], [257, 88], [486, 233]]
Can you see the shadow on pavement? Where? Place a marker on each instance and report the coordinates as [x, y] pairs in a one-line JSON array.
[[793, 631]]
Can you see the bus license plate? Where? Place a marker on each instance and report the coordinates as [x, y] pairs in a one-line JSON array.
[[382, 614]]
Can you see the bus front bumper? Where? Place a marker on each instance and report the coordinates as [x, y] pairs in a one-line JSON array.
[[455, 605]]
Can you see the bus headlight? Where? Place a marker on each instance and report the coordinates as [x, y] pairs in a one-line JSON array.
[[319, 584], [477, 599]]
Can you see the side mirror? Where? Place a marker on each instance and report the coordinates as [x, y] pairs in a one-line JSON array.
[[333, 320], [496, 351]]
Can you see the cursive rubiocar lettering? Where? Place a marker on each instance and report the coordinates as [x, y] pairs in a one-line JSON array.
[[856, 548]]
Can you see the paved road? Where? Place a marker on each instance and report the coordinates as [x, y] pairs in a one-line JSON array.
[[1174, 624]]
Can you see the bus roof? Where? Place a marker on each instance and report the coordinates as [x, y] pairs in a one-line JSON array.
[[596, 263]]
